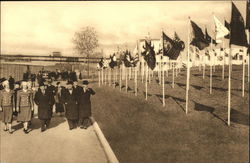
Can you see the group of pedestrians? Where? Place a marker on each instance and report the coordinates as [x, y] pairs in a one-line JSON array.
[[73, 100]]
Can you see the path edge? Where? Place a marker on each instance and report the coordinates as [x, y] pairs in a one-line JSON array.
[[107, 149]]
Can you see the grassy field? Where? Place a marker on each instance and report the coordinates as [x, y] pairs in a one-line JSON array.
[[142, 131]]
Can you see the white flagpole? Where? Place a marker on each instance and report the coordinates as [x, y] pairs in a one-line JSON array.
[[99, 78], [210, 90], [163, 88], [102, 75], [109, 76], [243, 72], [229, 85], [168, 67], [176, 68], [172, 63], [163, 75], [204, 64], [149, 75], [146, 82], [136, 81], [187, 85], [223, 63], [120, 77], [126, 77], [211, 65]]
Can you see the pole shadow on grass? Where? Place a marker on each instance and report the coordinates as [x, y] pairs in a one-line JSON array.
[[225, 90], [239, 118], [176, 99], [201, 107]]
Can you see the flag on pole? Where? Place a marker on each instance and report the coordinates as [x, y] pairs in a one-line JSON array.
[[248, 15], [220, 30], [198, 39], [237, 35], [208, 38], [149, 54], [227, 25], [172, 48]]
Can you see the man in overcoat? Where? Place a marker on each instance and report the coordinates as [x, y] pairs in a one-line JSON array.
[[71, 107], [52, 89], [44, 100], [85, 105], [78, 89]]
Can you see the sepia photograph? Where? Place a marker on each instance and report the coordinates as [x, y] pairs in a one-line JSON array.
[[124, 81]]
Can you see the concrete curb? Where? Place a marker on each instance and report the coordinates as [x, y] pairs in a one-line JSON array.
[[107, 149]]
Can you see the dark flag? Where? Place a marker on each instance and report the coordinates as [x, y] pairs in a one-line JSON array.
[[208, 38], [172, 48], [149, 54], [248, 15], [227, 25], [198, 37], [238, 35]]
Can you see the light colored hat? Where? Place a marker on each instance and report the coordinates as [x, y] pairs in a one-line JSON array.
[[5, 82]]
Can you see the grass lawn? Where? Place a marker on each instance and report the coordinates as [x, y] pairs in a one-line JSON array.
[[142, 131]]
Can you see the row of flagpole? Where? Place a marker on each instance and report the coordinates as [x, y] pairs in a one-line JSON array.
[[144, 71]]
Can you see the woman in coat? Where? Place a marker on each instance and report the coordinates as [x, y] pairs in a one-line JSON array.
[[44, 100], [24, 106], [71, 107], [7, 106], [85, 105]]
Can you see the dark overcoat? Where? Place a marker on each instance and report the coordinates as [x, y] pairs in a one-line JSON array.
[[44, 103], [78, 89], [70, 102], [85, 103], [51, 89]]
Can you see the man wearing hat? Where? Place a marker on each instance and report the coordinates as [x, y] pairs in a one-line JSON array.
[[76, 87], [25, 105], [85, 105], [58, 99], [11, 82], [52, 89], [71, 108], [7, 105], [44, 100]]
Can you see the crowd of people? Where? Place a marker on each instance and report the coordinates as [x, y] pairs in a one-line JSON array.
[[19, 99]]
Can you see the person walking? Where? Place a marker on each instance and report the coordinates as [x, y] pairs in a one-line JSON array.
[[71, 107], [11, 82], [16, 89], [44, 100], [58, 99], [25, 106], [85, 105], [78, 89], [52, 89], [7, 106]]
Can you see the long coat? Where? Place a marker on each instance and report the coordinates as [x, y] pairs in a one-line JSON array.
[[78, 89], [85, 103], [44, 102], [70, 102], [51, 89]]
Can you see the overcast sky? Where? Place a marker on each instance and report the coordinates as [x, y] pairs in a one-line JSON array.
[[42, 27]]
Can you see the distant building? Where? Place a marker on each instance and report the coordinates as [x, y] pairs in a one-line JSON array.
[[56, 54]]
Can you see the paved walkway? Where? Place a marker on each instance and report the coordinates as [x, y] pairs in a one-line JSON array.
[[57, 144]]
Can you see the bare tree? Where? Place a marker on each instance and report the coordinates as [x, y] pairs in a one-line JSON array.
[[86, 41]]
